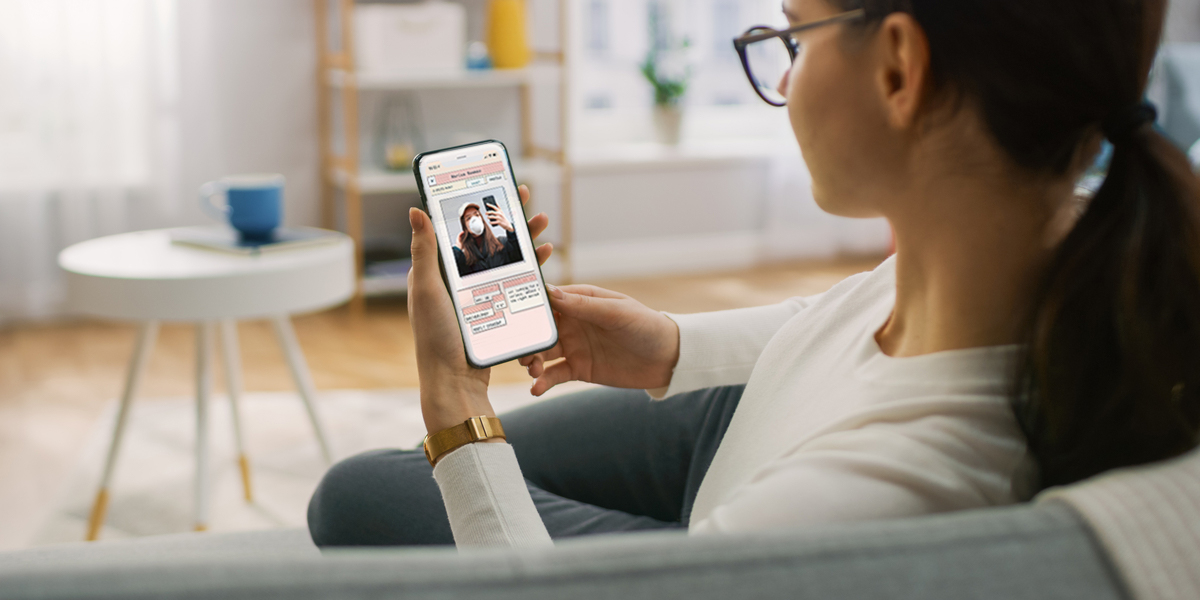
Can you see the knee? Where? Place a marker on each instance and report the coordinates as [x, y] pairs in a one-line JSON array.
[[381, 497], [336, 503]]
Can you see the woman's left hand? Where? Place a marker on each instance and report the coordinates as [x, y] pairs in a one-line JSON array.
[[451, 390], [496, 217]]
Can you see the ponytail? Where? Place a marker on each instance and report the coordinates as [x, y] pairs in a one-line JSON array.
[[1111, 373]]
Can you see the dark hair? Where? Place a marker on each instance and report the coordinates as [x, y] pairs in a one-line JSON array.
[[1110, 374]]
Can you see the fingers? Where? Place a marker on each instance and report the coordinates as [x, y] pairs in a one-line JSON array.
[[543, 253], [591, 290], [539, 221], [598, 310], [552, 354], [536, 367], [555, 374], [538, 224]]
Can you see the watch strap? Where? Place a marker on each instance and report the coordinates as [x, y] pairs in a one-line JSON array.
[[475, 429]]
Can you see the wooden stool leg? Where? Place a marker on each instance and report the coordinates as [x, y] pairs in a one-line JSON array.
[[233, 385], [137, 365], [303, 379], [204, 334]]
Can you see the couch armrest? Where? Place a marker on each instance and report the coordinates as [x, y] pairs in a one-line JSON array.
[[1042, 551]]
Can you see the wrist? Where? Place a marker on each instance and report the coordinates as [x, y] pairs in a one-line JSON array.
[[670, 352], [452, 401], [478, 429]]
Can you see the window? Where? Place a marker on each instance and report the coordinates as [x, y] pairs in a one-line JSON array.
[[80, 96], [597, 28], [612, 100]]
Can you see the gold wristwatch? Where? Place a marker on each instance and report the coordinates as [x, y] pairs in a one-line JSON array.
[[475, 429]]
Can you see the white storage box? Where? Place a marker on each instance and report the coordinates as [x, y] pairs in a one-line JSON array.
[[395, 39]]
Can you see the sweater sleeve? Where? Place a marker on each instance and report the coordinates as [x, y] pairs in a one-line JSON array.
[[486, 499], [721, 348]]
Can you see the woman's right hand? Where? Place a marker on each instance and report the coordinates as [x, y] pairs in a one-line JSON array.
[[606, 338]]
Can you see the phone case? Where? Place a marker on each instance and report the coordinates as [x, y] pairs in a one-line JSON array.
[[416, 167]]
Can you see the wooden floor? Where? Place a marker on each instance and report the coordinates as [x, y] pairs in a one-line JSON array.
[[56, 378]]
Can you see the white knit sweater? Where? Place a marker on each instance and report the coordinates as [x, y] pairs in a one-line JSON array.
[[1148, 519], [828, 429]]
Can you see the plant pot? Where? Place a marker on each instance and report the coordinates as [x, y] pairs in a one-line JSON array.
[[668, 124]]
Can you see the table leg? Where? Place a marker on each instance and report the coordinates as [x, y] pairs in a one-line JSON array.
[[137, 365], [303, 379], [204, 334], [233, 385]]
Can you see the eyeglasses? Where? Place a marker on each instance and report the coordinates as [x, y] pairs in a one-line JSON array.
[[768, 53]]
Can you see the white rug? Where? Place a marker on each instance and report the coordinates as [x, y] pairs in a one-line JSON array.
[[152, 488]]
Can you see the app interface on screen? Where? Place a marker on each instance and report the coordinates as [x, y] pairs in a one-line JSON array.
[[485, 246]]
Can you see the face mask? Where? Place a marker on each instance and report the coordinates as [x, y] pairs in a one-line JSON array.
[[475, 225]]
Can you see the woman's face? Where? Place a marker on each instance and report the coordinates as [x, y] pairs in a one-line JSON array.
[[468, 215], [833, 107]]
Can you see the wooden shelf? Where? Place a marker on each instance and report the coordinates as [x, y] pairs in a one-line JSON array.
[[339, 85], [426, 80], [650, 155], [377, 181]]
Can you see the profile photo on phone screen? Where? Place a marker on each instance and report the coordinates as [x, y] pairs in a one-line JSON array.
[[481, 231]]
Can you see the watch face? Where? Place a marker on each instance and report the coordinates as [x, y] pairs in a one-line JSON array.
[[425, 447]]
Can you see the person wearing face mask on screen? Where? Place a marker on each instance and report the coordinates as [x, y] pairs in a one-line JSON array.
[[479, 249]]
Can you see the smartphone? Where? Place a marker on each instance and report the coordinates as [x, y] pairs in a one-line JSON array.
[[490, 204], [491, 271]]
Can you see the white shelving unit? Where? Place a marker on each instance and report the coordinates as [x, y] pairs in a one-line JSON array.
[[464, 79], [344, 177]]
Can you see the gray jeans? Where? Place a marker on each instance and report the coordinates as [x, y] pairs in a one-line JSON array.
[[598, 461]]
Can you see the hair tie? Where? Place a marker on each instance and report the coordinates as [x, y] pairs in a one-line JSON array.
[[1120, 127]]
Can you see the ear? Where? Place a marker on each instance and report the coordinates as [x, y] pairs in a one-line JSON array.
[[903, 72]]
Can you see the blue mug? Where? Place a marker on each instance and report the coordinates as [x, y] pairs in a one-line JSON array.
[[253, 204]]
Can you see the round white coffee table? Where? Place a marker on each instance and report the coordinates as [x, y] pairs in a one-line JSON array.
[[143, 276]]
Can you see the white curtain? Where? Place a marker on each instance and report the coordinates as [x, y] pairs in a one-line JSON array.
[[88, 96], [113, 112]]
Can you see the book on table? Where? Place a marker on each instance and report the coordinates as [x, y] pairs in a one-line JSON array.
[[227, 239]]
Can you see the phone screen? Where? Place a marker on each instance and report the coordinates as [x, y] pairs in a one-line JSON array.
[[487, 255]]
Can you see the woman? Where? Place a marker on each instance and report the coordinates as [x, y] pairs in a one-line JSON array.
[[478, 248], [1011, 344]]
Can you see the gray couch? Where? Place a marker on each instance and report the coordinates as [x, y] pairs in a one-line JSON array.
[[1030, 551]]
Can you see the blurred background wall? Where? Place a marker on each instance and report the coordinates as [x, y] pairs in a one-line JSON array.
[[227, 86]]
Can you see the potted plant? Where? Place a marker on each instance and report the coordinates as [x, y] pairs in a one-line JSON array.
[[665, 67]]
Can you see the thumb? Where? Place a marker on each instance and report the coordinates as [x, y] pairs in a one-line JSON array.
[[590, 309], [424, 246]]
